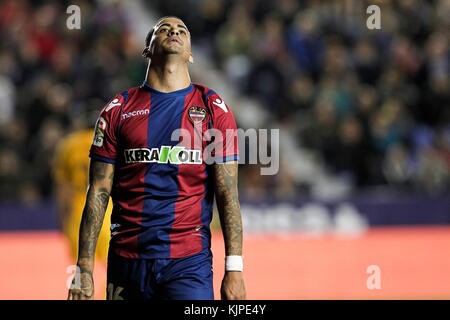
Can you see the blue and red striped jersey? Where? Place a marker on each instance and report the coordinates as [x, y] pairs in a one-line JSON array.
[[162, 145]]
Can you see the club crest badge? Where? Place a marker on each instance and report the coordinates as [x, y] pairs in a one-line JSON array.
[[197, 114]]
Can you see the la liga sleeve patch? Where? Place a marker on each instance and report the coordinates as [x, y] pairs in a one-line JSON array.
[[104, 143]]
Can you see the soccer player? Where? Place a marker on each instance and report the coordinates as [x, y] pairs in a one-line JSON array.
[[162, 187]]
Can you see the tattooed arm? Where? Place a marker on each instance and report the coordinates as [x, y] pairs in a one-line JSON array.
[[230, 219], [101, 176]]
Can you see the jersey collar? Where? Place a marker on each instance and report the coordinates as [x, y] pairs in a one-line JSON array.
[[184, 91]]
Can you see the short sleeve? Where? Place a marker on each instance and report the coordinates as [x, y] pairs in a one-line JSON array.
[[226, 140], [104, 145]]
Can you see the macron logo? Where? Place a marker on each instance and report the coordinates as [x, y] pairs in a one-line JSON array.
[[220, 104], [135, 113], [113, 104]]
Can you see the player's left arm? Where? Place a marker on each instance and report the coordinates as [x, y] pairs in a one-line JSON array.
[[226, 191]]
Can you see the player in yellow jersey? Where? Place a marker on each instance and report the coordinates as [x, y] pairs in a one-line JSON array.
[[71, 169], [70, 175]]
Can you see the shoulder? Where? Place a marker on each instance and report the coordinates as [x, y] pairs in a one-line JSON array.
[[131, 92], [212, 100], [123, 97], [204, 91], [115, 105]]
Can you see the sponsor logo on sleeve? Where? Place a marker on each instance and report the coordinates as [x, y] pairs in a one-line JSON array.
[[99, 134]]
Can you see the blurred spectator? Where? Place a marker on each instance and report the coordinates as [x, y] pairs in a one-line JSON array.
[[371, 105], [356, 94], [48, 76]]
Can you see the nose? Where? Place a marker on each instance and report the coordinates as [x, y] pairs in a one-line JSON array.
[[174, 32]]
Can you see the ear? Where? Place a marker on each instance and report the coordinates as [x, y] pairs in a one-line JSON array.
[[191, 58], [146, 52]]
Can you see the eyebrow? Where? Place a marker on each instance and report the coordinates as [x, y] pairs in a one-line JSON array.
[[168, 25]]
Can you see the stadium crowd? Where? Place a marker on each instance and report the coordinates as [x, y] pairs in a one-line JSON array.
[[371, 105]]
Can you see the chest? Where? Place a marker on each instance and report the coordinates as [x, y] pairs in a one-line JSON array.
[[164, 121]]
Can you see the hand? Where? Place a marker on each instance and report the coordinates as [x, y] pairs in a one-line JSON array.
[[85, 289], [233, 287]]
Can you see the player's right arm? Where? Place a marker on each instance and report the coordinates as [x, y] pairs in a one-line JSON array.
[[101, 175]]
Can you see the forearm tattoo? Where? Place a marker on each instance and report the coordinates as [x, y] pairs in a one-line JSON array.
[[100, 183], [228, 206]]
